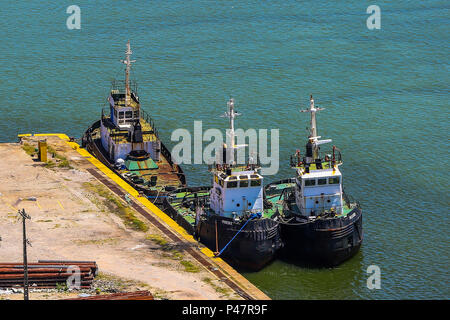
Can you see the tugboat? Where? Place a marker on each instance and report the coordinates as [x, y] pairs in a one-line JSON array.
[[229, 217], [127, 142], [320, 224]]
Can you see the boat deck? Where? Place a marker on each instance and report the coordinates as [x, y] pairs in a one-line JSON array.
[[188, 213], [121, 136], [186, 196], [275, 196], [166, 174]]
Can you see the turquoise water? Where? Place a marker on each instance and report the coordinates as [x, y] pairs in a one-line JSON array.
[[386, 94]]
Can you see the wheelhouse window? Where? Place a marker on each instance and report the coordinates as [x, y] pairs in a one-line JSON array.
[[136, 114], [243, 183], [322, 181], [128, 114], [310, 182], [255, 182], [121, 114], [334, 180], [232, 184]]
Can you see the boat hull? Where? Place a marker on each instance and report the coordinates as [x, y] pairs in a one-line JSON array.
[[252, 249], [323, 242]]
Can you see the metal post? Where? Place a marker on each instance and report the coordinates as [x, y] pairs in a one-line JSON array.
[[25, 262], [217, 243]]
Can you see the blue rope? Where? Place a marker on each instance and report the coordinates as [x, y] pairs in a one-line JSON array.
[[252, 216]]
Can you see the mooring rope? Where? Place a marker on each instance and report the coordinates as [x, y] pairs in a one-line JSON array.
[[252, 216]]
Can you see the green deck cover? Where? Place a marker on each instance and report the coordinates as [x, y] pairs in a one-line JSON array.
[[141, 165]]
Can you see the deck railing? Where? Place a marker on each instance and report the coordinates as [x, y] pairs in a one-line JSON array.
[[236, 167], [119, 86], [350, 201], [298, 159], [150, 121]]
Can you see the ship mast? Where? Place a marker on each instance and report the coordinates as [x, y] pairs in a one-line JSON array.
[[127, 62], [313, 137], [231, 114]]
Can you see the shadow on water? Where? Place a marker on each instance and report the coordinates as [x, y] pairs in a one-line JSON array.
[[288, 279], [304, 263]]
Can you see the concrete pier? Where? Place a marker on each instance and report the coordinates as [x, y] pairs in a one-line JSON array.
[[81, 210]]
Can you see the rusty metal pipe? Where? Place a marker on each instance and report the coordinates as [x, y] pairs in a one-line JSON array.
[[38, 270], [41, 275]]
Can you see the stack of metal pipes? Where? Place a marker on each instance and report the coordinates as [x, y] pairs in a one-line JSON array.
[[48, 274]]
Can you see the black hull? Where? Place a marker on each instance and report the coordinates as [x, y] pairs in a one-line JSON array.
[[324, 242], [252, 249], [95, 148]]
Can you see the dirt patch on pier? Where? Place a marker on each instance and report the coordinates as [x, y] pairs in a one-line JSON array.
[[75, 217]]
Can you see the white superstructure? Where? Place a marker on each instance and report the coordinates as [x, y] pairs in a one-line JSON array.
[[237, 189], [124, 131], [318, 180]]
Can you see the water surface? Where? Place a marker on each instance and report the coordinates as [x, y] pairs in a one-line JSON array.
[[385, 91]]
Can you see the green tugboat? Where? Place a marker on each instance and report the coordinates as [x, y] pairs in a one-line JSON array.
[[320, 224], [127, 141]]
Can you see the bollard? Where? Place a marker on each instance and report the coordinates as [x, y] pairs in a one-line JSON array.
[[42, 145]]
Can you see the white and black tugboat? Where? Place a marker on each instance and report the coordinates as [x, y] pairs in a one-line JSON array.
[[229, 217], [127, 141], [320, 225]]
